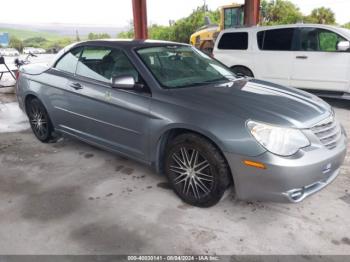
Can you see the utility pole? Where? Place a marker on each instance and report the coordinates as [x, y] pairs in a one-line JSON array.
[[251, 12], [140, 19]]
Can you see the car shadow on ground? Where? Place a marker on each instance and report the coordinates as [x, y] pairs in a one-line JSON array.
[[338, 103]]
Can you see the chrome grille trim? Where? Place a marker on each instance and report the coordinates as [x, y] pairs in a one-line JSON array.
[[324, 128], [333, 132], [328, 132]]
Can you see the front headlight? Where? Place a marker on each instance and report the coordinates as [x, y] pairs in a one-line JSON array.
[[278, 140]]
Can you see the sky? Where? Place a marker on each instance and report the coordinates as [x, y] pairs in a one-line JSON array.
[[119, 12]]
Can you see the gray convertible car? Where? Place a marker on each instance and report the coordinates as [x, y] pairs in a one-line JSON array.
[[171, 106]]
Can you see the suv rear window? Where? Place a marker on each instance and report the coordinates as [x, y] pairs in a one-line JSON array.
[[234, 41], [276, 39]]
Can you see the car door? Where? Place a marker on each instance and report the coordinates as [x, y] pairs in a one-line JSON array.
[[317, 63], [113, 118], [56, 94], [274, 57]]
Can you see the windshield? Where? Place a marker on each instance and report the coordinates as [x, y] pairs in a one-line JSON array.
[[183, 66]]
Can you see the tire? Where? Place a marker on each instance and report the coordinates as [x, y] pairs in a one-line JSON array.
[[242, 71], [196, 170], [40, 121]]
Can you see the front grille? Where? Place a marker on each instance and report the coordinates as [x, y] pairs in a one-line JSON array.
[[329, 132]]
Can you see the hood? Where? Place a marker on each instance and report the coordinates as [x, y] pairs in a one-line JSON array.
[[256, 100]]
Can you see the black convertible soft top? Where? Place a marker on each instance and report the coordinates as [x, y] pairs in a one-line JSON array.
[[127, 43]]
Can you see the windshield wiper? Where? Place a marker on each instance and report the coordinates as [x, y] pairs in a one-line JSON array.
[[209, 81], [217, 80]]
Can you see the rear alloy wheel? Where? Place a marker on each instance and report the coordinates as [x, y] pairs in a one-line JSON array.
[[196, 170], [40, 121]]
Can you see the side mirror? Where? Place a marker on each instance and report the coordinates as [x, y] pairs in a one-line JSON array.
[[343, 46], [123, 82]]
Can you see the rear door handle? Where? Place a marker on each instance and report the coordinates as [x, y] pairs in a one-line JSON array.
[[301, 57], [76, 86]]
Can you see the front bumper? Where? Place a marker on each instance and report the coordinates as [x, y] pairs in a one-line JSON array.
[[287, 179]]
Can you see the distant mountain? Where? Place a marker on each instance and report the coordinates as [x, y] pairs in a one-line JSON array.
[[62, 29]]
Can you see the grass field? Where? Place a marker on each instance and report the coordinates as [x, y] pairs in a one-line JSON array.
[[25, 34]]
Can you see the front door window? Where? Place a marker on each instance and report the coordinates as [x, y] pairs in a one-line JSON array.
[[103, 63], [319, 40]]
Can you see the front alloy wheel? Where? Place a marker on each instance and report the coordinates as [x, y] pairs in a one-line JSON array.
[[196, 170], [191, 173]]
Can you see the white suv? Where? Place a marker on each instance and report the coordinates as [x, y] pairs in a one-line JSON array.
[[311, 57]]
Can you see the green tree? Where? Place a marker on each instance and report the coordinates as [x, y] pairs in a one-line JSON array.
[[159, 32], [181, 30], [185, 27], [347, 25], [58, 44], [280, 12], [34, 42], [321, 15], [104, 36], [93, 36], [16, 43], [126, 35]]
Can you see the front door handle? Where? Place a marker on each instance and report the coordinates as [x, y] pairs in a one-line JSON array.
[[301, 57], [76, 86]]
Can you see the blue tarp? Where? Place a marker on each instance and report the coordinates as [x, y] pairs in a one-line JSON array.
[[4, 39]]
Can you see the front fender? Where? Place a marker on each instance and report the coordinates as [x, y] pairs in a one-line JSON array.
[[242, 143]]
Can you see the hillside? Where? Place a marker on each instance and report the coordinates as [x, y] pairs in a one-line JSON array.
[[24, 34], [57, 30], [50, 36]]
